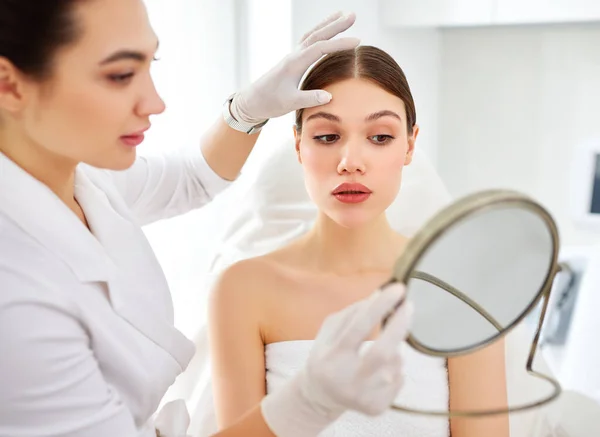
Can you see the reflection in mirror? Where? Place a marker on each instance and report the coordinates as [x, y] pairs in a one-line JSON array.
[[479, 278]]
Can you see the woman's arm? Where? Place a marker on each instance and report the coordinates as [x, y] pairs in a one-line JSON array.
[[236, 345], [162, 186], [337, 376], [251, 424], [478, 381], [226, 150]]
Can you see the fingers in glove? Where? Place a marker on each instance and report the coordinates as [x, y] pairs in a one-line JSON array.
[[389, 394], [369, 314], [322, 24], [383, 372], [381, 360], [397, 327], [312, 98], [387, 346], [382, 387], [329, 30], [314, 52], [391, 380]]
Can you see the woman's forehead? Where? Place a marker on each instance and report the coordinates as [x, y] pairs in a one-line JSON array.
[[112, 25], [357, 99]]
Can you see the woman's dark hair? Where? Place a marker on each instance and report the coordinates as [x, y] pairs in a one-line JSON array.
[[363, 62], [32, 31]]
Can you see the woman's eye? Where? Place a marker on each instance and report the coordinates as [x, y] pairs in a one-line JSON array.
[[120, 78], [326, 139], [381, 139]]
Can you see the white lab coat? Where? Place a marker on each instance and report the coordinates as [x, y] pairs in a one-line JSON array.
[[87, 342]]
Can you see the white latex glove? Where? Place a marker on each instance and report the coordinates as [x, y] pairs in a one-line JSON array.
[[276, 93], [338, 377]]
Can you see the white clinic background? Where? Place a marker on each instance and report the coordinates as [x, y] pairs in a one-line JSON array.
[[505, 92], [208, 50]]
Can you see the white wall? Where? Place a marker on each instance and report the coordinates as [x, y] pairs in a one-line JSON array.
[[514, 103], [197, 70], [416, 51], [268, 39]]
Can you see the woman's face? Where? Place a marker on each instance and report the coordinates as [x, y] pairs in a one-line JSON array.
[[100, 96], [353, 151]]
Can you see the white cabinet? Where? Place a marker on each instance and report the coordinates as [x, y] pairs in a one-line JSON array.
[[456, 13], [546, 11], [436, 13]]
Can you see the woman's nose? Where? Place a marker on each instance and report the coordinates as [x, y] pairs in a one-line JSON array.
[[351, 160], [150, 103]]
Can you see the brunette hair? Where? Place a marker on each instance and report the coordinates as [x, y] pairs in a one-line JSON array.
[[364, 62], [31, 32]]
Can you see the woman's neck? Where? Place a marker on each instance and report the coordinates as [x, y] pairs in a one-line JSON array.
[[54, 171], [372, 248]]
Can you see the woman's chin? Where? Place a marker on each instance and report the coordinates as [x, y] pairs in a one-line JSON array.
[[355, 220], [117, 162], [125, 163]]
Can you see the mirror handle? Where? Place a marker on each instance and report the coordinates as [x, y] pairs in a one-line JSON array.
[[559, 267]]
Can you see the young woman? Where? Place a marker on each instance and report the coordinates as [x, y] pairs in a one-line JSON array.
[[266, 311], [88, 347]]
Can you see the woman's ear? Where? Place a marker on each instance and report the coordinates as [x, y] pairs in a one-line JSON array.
[[11, 87], [411, 145], [297, 136]]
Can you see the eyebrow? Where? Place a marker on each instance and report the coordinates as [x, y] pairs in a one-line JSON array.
[[384, 113], [371, 117], [126, 55], [326, 115]]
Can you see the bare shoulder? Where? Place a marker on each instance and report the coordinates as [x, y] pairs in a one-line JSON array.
[[247, 282]]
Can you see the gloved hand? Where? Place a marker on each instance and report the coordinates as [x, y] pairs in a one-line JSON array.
[[338, 377], [276, 93]]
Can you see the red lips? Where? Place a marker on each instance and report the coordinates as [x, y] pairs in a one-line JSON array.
[[135, 138], [351, 192], [351, 187]]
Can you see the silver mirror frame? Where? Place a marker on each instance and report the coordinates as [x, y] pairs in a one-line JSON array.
[[404, 271]]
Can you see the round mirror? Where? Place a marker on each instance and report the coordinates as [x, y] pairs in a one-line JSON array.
[[475, 271], [479, 277]]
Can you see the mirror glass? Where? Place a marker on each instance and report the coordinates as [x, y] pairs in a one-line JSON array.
[[479, 277]]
